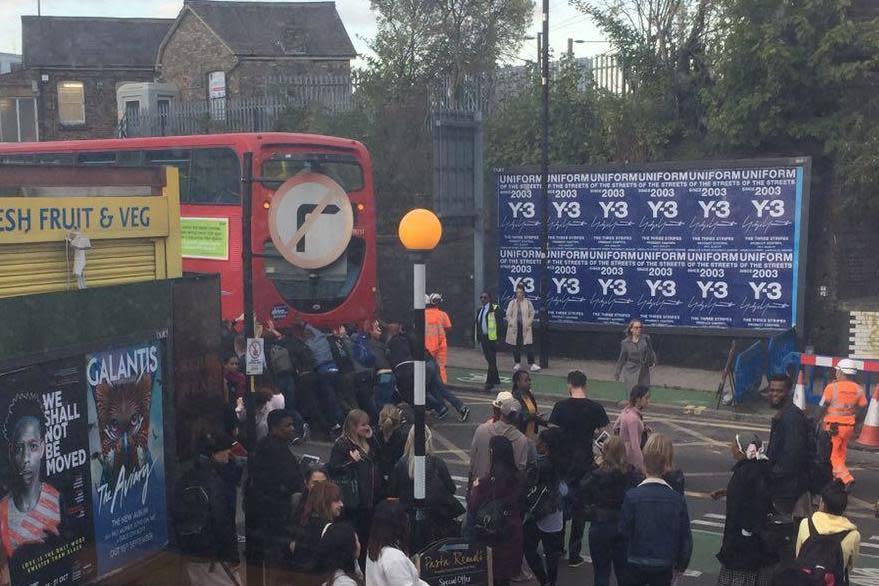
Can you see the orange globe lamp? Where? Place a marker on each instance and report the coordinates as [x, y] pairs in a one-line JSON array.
[[420, 229]]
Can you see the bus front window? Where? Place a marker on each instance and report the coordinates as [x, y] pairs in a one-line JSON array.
[[313, 256]]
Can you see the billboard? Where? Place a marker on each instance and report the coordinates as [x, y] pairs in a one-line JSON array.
[[124, 388], [706, 246], [45, 510]]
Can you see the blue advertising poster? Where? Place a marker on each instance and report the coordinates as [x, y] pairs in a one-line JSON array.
[[126, 439], [703, 246]]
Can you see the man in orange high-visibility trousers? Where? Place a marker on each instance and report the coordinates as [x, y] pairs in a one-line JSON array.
[[839, 407], [436, 322]]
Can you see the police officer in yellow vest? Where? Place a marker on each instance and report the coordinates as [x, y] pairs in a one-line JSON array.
[[485, 332]]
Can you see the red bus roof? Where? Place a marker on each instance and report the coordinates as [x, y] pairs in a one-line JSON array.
[[194, 140]]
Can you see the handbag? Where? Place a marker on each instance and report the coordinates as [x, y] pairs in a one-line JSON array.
[[540, 501], [349, 487]]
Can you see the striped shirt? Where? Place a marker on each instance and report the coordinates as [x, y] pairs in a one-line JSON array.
[[18, 528]]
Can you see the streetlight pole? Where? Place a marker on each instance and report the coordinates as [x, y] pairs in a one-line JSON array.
[[420, 231], [544, 186]]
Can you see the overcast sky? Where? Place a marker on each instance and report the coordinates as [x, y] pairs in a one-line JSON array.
[[565, 21]]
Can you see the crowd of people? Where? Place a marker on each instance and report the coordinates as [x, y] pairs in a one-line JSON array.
[[533, 475]]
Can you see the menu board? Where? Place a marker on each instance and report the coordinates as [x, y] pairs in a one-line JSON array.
[[708, 246]]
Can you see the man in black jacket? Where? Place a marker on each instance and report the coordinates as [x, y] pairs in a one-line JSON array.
[[275, 476], [789, 450], [204, 513], [790, 456]]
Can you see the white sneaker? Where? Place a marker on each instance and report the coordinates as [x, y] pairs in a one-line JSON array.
[[516, 367], [535, 367]]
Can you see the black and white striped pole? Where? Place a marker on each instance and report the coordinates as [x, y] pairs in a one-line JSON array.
[[420, 231]]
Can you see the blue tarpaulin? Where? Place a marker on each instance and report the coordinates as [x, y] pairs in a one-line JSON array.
[[779, 348], [748, 370]]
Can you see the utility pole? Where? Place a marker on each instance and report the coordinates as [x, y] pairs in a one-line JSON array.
[[39, 12], [544, 185], [570, 47], [539, 52]]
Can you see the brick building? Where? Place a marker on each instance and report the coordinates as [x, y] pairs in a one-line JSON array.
[[71, 69], [236, 47], [73, 66]]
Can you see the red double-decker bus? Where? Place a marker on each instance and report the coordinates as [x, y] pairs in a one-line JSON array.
[[313, 215]]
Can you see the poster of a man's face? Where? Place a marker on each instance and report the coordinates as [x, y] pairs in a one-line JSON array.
[[34, 512], [46, 531]]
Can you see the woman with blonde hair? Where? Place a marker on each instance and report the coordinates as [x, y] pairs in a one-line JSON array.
[[655, 521], [354, 466], [390, 440], [604, 490], [636, 357], [442, 507], [520, 321]]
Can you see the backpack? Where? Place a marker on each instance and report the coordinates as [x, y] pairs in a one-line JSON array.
[[820, 562], [361, 351], [491, 521], [280, 359], [820, 469], [192, 514]]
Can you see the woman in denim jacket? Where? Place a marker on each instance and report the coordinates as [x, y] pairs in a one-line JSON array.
[[655, 522]]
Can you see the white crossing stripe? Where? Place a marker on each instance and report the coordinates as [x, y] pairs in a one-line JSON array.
[[711, 524], [874, 538], [715, 516], [460, 479], [870, 545], [687, 573]]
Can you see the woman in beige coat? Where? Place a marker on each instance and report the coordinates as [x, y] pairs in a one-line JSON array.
[[520, 319]]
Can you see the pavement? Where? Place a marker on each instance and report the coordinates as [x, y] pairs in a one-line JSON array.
[[681, 390], [701, 451]]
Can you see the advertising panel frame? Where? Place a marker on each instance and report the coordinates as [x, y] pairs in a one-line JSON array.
[[79, 352], [800, 248]]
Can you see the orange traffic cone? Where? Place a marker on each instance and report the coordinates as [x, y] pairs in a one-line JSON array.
[[800, 392], [870, 431]]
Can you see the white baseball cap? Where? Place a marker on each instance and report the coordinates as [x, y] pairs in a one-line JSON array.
[[501, 397], [848, 366]]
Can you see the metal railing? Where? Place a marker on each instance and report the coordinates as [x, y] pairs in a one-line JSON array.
[[281, 95]]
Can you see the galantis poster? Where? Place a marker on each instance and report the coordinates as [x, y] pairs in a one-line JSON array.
[[126, 438], [45, 511]]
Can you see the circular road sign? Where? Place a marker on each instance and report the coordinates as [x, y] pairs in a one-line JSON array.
[[311, 220]]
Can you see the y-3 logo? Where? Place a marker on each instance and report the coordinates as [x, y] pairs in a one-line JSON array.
[[571, 208], [526, 282], [669, 209], [769, 290], [719, 209], [570, 286], [525, 208], [615, 286], [619, 209], [718, 289], [664, 288], [774, 207]]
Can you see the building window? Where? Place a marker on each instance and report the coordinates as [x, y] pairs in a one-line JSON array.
[[18, 120], [71, 103]]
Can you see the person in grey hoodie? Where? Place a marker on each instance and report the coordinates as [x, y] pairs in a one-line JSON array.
[[506, 415]]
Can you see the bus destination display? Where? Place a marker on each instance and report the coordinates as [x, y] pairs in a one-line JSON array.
[[706, 247]]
